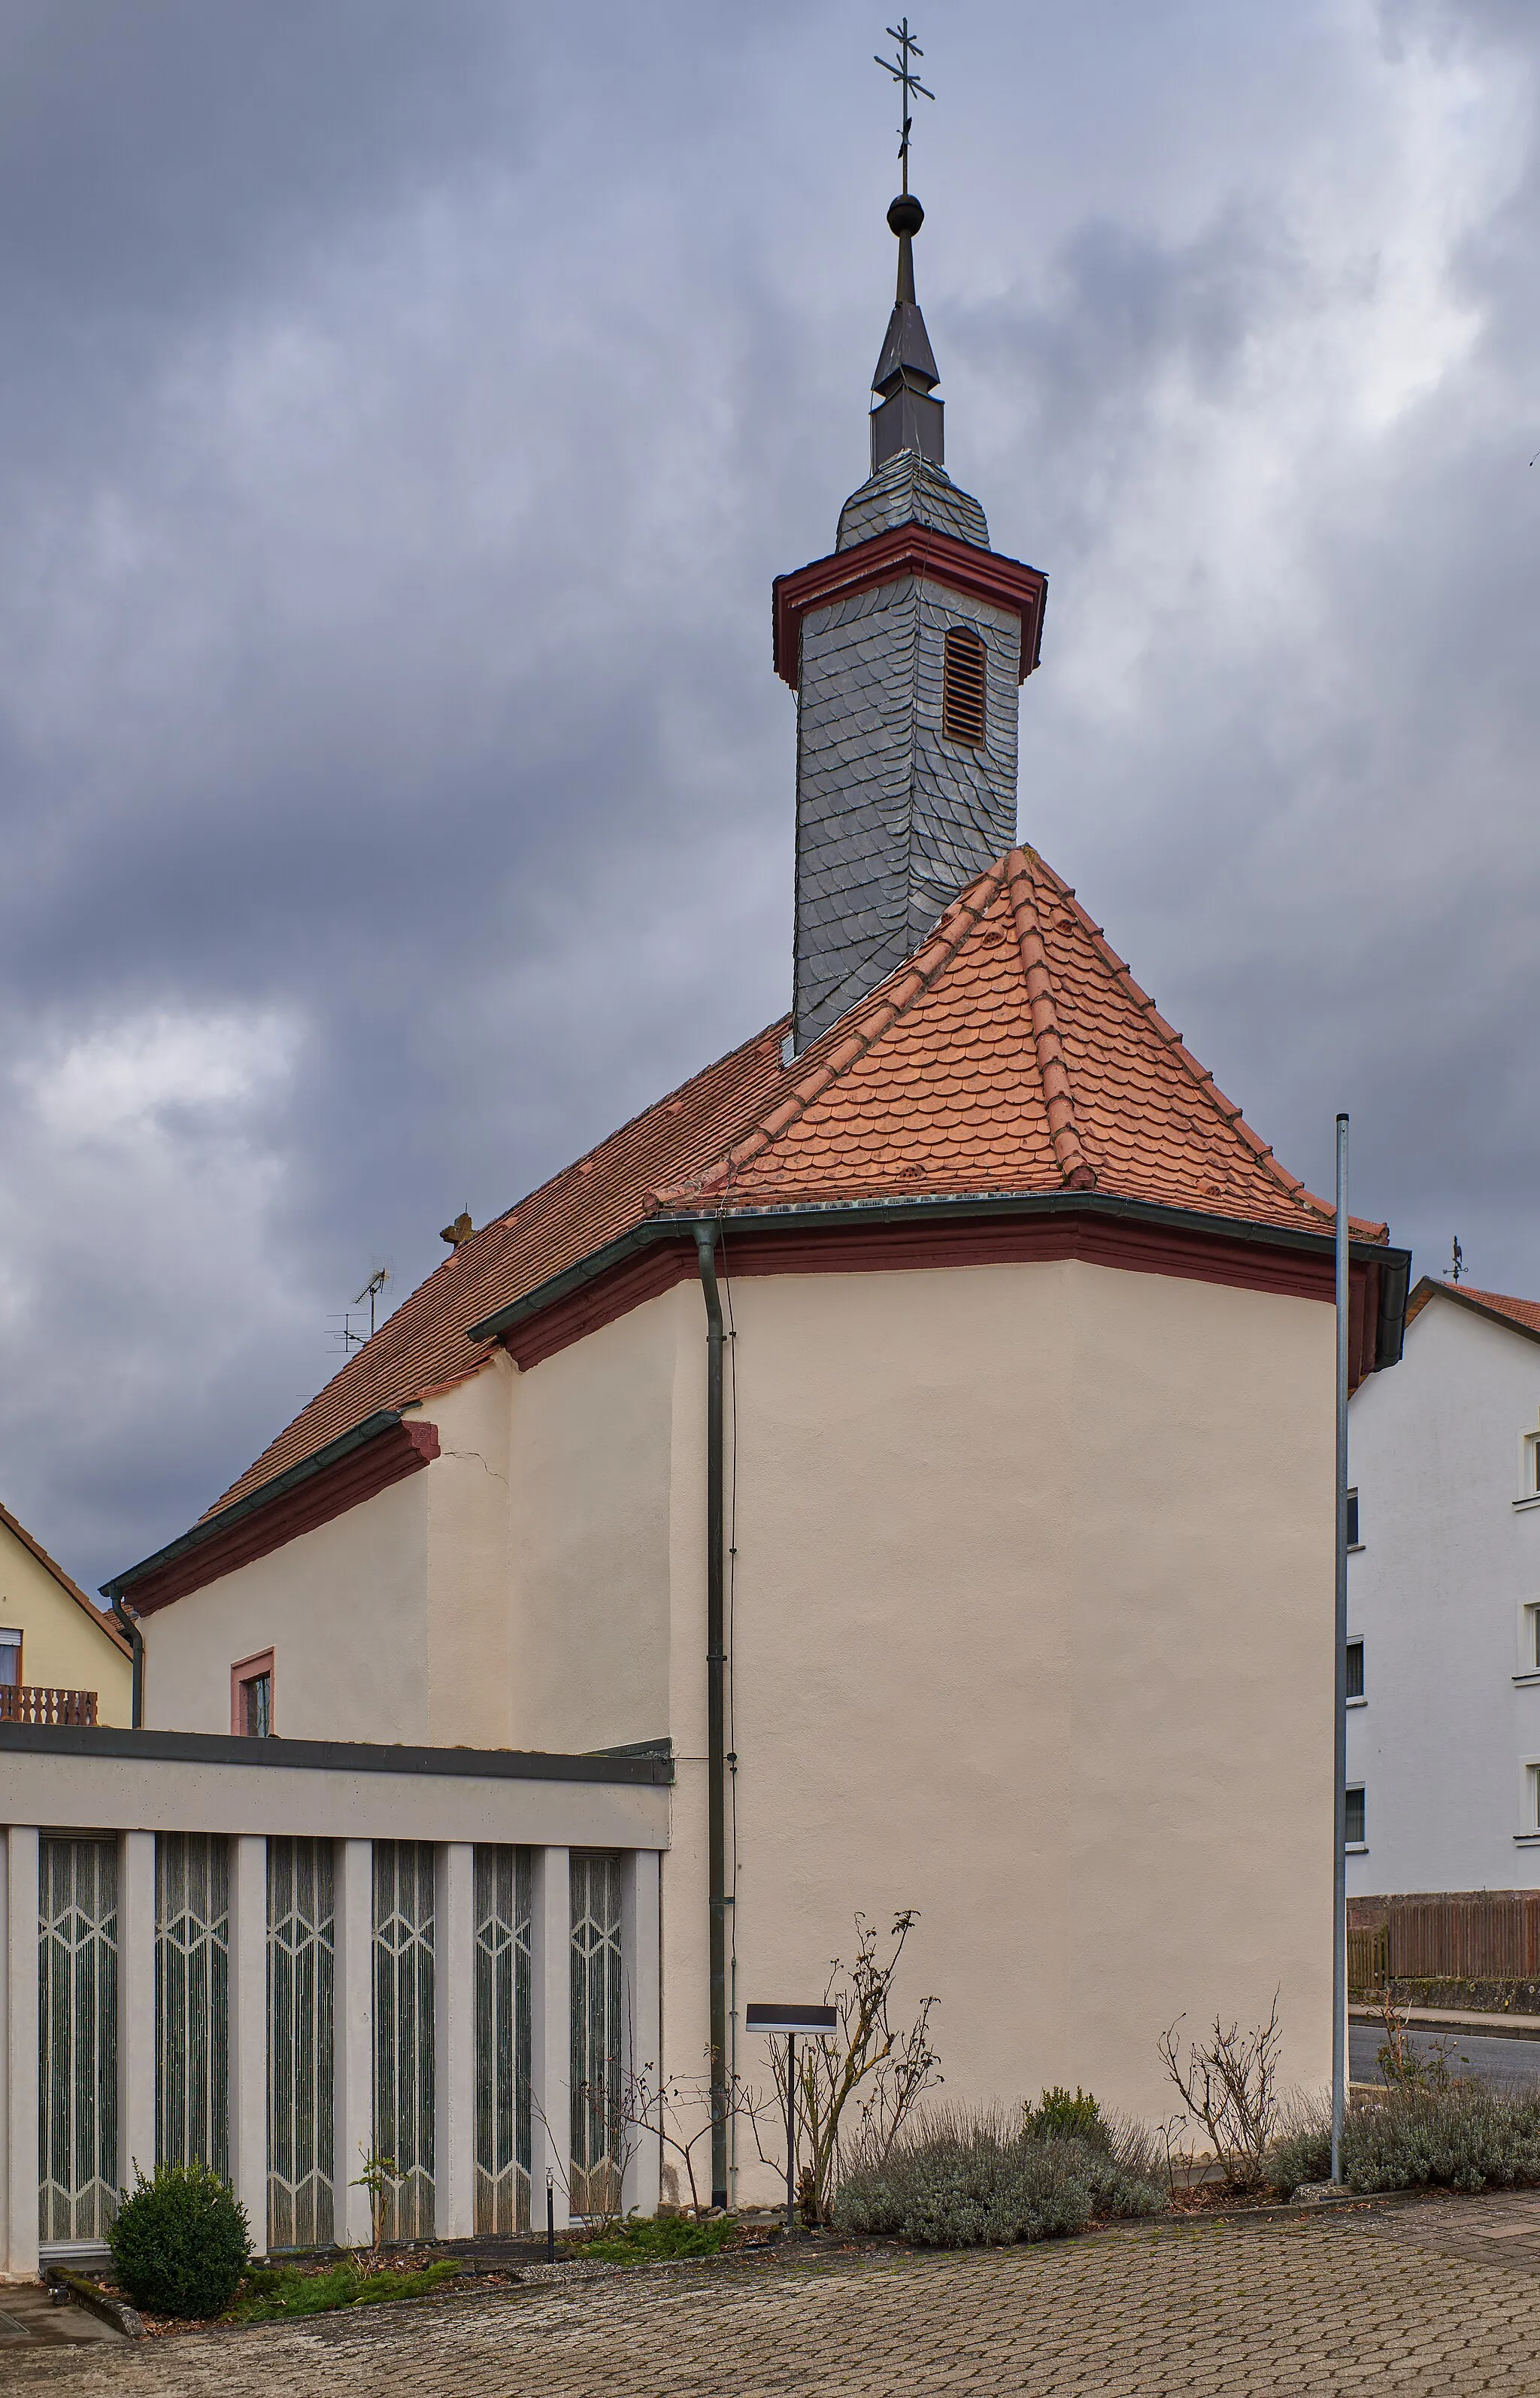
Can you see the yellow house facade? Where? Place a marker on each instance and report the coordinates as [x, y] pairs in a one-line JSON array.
[[62, 1660]]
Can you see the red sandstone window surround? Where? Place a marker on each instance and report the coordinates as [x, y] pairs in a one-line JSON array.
[[252, 1697]]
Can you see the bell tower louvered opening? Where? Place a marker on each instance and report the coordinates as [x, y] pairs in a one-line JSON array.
[[963, 683]]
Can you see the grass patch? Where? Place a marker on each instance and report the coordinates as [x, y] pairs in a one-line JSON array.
[[648, 2239], [279, 2293]]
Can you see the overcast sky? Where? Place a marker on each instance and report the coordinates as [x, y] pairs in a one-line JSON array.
[[406, 406]]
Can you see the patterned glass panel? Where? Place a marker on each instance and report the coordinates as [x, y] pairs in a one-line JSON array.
[[402, 2031], [302, 1954], [78, 2174], [502, 2110], [597, 2033], [193, 2000]]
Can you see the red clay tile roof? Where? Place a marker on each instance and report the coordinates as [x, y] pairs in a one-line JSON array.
[[72, 1589], [1013, 1054], [1523, 1312]]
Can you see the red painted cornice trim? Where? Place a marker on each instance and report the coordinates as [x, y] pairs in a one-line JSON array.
[[908, 550], [1136, 1247], [397, 1450]]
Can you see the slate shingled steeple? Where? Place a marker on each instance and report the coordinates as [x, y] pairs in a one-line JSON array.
[[906, 648]]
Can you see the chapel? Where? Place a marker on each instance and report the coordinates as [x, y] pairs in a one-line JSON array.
[[916, 1430]]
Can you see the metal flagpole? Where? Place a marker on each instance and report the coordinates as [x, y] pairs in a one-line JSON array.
[[1339, 1716]]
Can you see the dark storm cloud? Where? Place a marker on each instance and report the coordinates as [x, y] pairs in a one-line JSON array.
[[410, 408]]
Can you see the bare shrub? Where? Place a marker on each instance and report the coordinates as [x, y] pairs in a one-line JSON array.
[[858, 2085], [1228, 2084]]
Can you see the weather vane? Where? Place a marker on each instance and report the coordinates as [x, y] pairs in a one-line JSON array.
[[904, 76], [1457, 1263]]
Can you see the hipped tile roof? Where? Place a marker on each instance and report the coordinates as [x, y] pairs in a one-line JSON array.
[[1013, 1054]]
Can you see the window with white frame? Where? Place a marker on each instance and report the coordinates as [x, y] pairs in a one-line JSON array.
[[1353, 1540], [1357, 1818], [1355, 1672], [1532, 1465], [1531, 1799], [10, 1656], [1528, 1638]]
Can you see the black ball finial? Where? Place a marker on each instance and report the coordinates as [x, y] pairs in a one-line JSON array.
[[905, 214]]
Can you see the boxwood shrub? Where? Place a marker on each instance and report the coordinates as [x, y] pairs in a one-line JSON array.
[[180, 2242]]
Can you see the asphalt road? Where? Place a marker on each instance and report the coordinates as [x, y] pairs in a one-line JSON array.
[[1482, 2056]]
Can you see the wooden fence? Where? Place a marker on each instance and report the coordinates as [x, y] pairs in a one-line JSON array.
[[1479, 1935], [32, 1702]]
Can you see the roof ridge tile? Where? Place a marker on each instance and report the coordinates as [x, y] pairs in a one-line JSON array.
[[1053, 1067], [1199, 1074], [875, 1016]]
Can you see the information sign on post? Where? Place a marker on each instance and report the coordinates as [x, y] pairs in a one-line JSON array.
[[813, 2022]]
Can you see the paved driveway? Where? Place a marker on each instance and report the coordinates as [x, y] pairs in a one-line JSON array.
[[1421, 2302], [1501, 2059]]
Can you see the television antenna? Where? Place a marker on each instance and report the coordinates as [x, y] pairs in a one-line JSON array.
[[372, 1292]]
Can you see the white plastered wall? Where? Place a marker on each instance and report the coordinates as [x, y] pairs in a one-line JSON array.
[[1033, 1631], [1450, 1562], [343, 1608], [592, 1534]]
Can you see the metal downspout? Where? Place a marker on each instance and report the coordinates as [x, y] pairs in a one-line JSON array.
[[705, 1244], [136, 1642]]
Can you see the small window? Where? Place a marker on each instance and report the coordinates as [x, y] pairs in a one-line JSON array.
[[963, 686], [252, 1697], [1355, 1669], [1353, 1541], [11, 1659], [1356, 1818], [1531, 1466], [1529, 1643], [1532, 1812]]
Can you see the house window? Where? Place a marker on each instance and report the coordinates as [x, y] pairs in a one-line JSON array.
[[1531, 1466], [1355, 1670], [1529, 1644], [1356, 1818], [10, 1658], [252, 1697], [963, 683], [1532, 1812], [1353, 1541]]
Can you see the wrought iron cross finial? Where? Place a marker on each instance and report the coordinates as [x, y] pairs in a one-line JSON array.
[[908, 82]]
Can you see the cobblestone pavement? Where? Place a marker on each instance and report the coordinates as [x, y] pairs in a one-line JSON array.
[[1421, 2302]]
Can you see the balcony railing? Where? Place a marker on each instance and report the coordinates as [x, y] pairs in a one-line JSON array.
[[32, 1702]]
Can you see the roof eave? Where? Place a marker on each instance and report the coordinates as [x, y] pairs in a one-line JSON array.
[[1431, 1288], [805, 1216], [212, 1526]]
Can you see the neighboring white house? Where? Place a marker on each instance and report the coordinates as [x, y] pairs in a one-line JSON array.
[[1443, 1603]]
